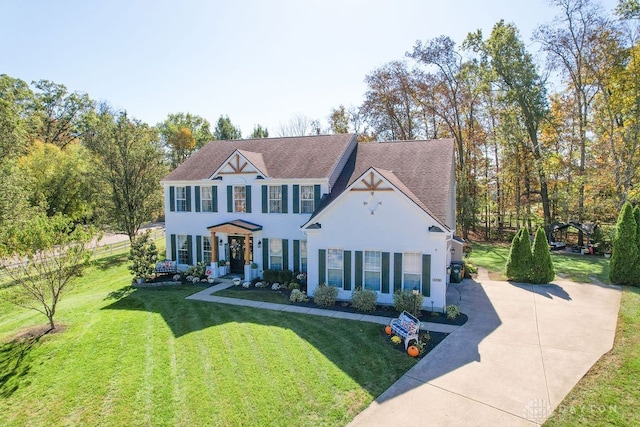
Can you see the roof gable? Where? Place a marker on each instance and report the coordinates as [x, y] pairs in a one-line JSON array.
[[242, 162], [421, 170]]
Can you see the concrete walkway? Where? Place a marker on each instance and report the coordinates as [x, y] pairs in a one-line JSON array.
[[522, 350], [206, 295]]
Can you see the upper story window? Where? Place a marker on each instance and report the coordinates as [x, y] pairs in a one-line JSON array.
[[275, 199], [206, 199], [239, 198], [181, 199], [306, 199]]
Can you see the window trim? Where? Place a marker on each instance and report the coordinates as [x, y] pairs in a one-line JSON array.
[[335, 270], [179, 207], [203, 190], [304, 265], [182, 240], [405, 269], [378, 271], [303, 200], [237, 200], [278, 189], [272, 256], [206, 239]]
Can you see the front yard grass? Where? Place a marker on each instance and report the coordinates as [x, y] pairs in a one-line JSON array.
[[609, 394], [149, 357], [575, 267]]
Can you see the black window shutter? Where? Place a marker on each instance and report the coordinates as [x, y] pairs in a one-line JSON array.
[[229, 198], [265, 199], [214, 198], [196, 191], [172, 199], [385, 272], [247, 197], [296, 198], [285, 254], [346, 272], [285, 199], [189, 250], [296, 255], [265, 254], [173, 247], [322, 266], [188, 191], [397, 272], [426, 275], [199, 249], [358, 269], [316, 196]]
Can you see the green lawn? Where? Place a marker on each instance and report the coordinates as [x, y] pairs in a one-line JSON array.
[[609, 393], [578, 268], [150, 357]]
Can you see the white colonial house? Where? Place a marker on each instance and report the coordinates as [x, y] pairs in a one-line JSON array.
[[379, 216]]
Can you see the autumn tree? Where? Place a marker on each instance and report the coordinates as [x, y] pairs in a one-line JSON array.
[[59, 113], [131, 164], [226, 130], [339, 120], [183, 133]]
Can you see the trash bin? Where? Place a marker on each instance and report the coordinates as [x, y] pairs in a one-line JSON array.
[[456, 273]]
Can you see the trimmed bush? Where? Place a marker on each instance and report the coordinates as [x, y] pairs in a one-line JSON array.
[[277, 276], [325, 296], [143, 255], [625, 254], [542, 270], [364, 300], [297, 296], [405, 301], [518, 266], [452, 311]]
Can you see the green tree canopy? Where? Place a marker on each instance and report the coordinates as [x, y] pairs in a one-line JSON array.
[[183, 133], [625, 255], [226, 130]]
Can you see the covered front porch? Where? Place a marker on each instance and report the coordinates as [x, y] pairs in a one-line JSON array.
[[232, 242]]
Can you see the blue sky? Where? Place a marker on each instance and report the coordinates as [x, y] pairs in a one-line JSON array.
[[255, 61]]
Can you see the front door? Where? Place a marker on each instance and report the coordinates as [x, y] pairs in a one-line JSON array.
[[236, 254]]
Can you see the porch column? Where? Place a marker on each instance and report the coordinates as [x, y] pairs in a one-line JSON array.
[[214, 248], [247, 249]]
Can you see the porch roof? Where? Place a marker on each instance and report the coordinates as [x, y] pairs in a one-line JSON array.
[[237, 226]]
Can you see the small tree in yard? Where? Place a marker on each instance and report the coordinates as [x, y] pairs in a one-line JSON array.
[[625, 255], [518, 266], [542, 270], [47, 255], [143, 255]]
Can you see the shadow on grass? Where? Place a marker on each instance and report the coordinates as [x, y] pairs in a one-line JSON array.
[[15, 363], [111, 261]]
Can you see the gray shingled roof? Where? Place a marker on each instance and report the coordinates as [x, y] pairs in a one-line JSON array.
[[420, 169], [280, 158]]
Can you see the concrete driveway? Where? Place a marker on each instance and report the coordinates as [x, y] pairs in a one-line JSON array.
[[522, 350]]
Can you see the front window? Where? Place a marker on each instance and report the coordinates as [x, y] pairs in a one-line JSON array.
[[183, 249], [372, 270], [181, 199], [411, 270], [303, 255], [306, 199], [335, 263], [206, 199], [206, 249], [275, 254], [275, 199], [239, 198]]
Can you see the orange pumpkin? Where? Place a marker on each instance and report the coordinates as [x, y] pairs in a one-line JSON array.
[[413, 351], [387, 330]]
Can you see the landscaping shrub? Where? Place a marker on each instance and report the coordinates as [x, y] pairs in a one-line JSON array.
[[625, 255], [542, 270], [325, 296], [452, 311], [197, 270], [518, 266], [405, 301], [277, 276], [143, 255], [297, 296], [364, 300]]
